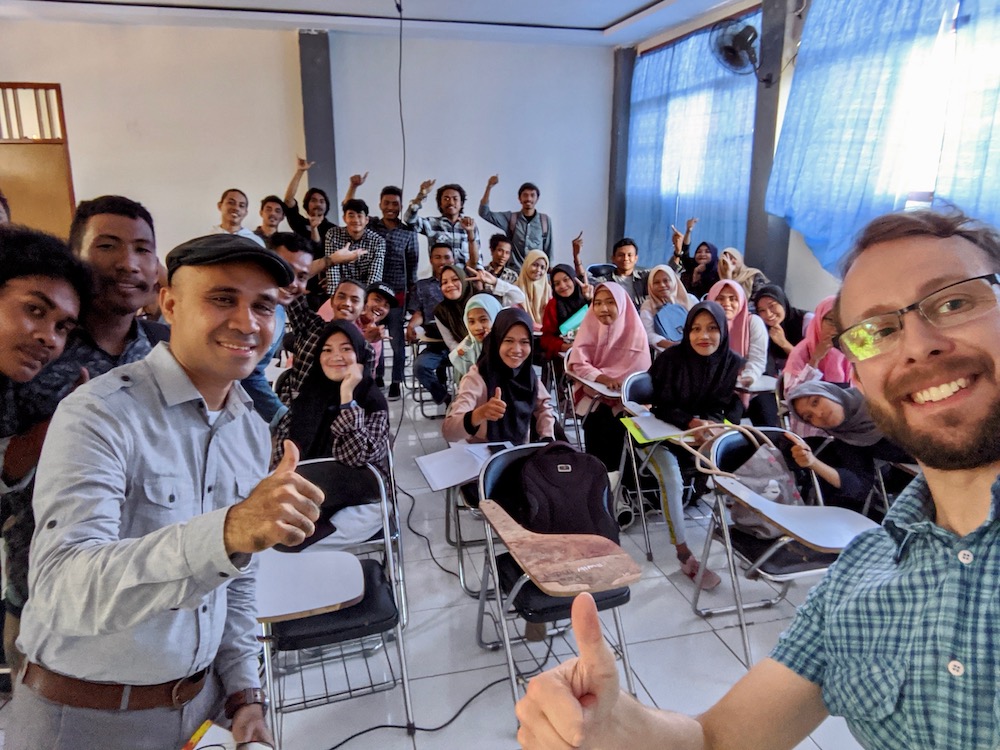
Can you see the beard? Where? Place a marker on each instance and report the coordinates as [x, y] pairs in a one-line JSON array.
[[963, 447]]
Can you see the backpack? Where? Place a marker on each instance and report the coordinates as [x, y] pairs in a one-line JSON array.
[[669, 321], [566, 492], [512, 222]]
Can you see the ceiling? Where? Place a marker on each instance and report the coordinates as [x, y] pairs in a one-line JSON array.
[[588, 22]]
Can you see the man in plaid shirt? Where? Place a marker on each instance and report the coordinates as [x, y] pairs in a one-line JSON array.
[[901, 636], [353, 251], [451, 227]]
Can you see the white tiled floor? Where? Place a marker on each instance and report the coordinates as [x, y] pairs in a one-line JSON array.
[[681, 661]]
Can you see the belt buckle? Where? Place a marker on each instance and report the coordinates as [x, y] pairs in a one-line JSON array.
[[175, 699]]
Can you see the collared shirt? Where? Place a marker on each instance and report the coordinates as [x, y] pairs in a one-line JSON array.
[[402, 254], [528, 234], [367, 269], [130, 580], [504, 273], [903, 633], [241, 232], [424, 297], [440, 229], [634, 284]]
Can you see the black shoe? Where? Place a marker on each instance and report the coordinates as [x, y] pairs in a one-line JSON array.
[[394, 392], [379, 383]]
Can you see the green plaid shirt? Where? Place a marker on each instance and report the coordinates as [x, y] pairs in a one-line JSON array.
[[903, 633]]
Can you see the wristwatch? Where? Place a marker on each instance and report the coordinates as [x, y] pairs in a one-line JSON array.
[[245, 697]]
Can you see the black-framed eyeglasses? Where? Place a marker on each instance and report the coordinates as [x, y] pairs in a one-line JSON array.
[[955, 304]]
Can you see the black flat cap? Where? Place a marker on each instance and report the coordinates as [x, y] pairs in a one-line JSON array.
[[228, 248], [384, 290]]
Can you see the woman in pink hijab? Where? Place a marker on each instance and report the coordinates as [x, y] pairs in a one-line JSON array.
[[610, 345], [815, 357]]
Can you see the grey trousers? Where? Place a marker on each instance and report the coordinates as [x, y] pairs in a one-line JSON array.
[[37, 723]]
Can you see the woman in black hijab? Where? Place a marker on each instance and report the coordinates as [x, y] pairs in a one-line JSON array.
[[501, 398], [786, 325], [568, 296], [694, 385]]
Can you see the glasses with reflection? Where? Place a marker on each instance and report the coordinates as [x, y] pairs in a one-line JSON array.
[[953, 305]]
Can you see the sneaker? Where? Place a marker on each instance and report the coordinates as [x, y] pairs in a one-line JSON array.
[[394, 392], [709, 579], [379, 383]]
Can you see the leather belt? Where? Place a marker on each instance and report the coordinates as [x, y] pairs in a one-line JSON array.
[[104, 696]]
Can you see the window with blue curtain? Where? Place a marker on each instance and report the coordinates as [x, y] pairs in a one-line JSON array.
[[690, 139], [893, 102]]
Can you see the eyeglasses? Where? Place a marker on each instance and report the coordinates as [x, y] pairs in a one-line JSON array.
[[954, 305]]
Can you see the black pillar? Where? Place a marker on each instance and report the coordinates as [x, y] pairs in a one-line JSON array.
[[317, 111], [621, 105]]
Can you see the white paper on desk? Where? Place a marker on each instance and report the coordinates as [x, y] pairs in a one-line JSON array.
[[482, 451], [655, 429]]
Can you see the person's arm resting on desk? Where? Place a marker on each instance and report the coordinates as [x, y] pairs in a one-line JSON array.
[[580, 705]]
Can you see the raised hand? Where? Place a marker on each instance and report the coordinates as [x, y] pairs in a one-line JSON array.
[[281, 510], [493, 180], [468, 224], [689, 224], [346, 255], [577, 246], [573, 705], [315, 220], [357, 180], [426, 186], [355, 373], [302, 165]]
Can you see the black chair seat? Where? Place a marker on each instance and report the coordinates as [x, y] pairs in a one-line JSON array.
[[791, 559], [533, 605], [375, 613]]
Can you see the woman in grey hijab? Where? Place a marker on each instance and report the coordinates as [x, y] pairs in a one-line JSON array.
[[847, 468]]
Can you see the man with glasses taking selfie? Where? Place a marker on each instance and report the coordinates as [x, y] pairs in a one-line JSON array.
[[899, 636]]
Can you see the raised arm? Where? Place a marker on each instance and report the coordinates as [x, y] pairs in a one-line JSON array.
[[301, 167], [356, 181], [411, 210]]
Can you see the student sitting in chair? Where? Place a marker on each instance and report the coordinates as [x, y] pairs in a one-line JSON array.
[[665, 288], [480, 312], [569, 295]]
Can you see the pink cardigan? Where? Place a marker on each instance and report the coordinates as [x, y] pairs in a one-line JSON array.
[[472, 393]]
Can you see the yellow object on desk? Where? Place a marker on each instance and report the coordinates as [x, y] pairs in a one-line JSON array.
[[648, 429]]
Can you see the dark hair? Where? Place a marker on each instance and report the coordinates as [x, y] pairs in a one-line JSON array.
[[355, 282], [435, 245], [272, 199], [316, 191], [28, 252], [497, 238], [529, 186], [451, 186], [227, 191], [291, 241], [5, 204], [922, 222], [391, 190], [357, 205], [116, 205], [623, 242]]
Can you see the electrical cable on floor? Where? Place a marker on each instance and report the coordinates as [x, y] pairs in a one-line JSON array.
[[427, 539]]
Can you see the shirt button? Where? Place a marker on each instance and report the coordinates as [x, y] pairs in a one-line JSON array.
[[204, 608], [209, 489], [965, 557], [956, 668]]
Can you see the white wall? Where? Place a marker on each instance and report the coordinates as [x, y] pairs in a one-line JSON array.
[[168, 115], [529, 112]]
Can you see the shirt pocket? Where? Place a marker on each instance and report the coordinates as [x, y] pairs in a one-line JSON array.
[[162, 500], [862, 691]]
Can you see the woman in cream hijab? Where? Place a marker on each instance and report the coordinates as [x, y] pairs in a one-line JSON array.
[[534, 282]]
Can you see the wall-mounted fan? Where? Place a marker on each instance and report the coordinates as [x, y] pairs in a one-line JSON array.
[[735, 45]]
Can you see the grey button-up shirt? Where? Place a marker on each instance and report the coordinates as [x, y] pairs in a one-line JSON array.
[[130, 580]]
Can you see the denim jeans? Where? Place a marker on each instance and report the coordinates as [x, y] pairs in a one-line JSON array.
[[426, 367]]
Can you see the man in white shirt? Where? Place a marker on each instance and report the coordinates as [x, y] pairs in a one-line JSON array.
[[233, 206]]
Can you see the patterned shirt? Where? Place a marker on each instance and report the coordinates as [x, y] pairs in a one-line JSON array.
[[130, 579], [367, 269], [439, 229], [402, 254], [424, 297], [903, 633]]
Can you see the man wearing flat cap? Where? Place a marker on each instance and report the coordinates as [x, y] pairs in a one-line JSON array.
[[150, 500]]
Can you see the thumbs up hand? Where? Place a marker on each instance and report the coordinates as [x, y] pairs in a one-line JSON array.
[[491, 411], [573, 704], [281, 509]]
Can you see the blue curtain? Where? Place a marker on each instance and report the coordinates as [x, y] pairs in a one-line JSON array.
[[837, 164], [690, 138], [969, 173]]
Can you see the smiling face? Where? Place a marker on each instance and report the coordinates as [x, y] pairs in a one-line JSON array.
[[515, 348], [337, 356], [376, 307], [770, 311], [528, 198], [233, 209], [122, 253], [300, 267], [660, 284], [390, 206], [702, 255], [271, 215], [605, 307], [625, 259], [478, 322], [705, 335], [729, 301], [222, 322], [819, 411], [451, 284], [450, 204], [348, 301], [562, 284], [537, 270], [355, 222], [37, 313], [937, 393]]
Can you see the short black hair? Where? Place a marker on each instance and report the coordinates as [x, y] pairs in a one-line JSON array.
[[357, 205], [5, 204], [360, 285], [529, 186], [623, 242], [272, 199], [439, 243], [451, 186], [117, 205], [391, 190], [227, 191], [28, 252], [497, 238], [291, 241], [316, 191]]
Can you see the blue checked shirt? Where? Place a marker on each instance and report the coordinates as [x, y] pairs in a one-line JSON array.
[[903, 633], [440, 229]]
